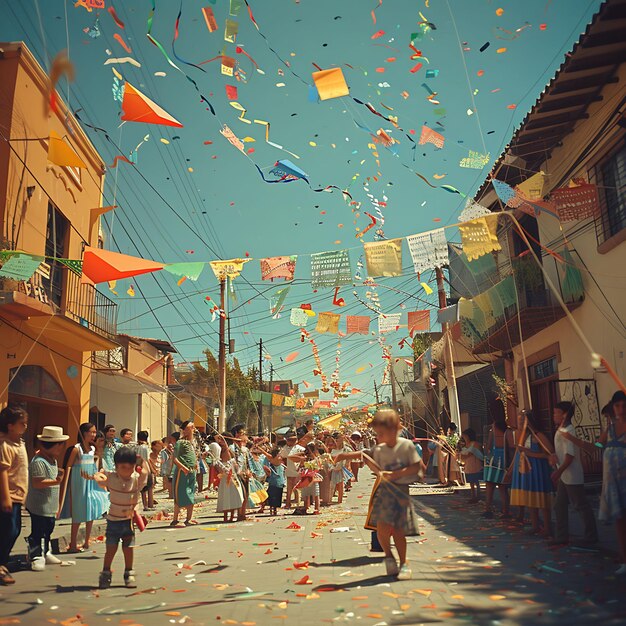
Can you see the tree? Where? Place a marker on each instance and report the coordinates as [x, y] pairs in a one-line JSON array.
[[203, 382]]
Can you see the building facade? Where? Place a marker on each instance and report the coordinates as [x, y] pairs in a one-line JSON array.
[[567, 269], [50, 323], [129, 386]]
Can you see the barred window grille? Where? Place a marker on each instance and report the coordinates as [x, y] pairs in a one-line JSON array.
[[610, 176]]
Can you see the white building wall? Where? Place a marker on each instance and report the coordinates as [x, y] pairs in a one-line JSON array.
[[121, 409], [153, 416]]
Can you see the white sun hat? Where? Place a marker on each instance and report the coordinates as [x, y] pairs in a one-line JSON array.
[[52, 434]]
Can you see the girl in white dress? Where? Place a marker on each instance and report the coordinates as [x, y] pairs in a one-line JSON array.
[[230, 492]]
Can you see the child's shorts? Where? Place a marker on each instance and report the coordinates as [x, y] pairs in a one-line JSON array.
[[474, 479], [121, 530]]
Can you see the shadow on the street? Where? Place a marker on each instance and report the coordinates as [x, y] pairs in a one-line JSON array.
[[522, 578], [356, 561], [356, 584], [212, 570], [72, 588]]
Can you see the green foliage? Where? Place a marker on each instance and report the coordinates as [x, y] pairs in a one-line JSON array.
[[203, 382], [453, 440], [528, 274], [505, 391], [421, 343]]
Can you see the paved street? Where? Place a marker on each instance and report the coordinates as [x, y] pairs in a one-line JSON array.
[[465, 570]]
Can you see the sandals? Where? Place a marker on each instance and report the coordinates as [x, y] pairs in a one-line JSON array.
[[74, 550], [191, 522], [175, 524], [5, 578]]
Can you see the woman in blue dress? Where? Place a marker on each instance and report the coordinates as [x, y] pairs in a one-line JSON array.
[[498, 455], [531, 485], [83, 500]]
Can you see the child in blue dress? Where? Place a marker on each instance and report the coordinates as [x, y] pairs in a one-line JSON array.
[[83, 500]]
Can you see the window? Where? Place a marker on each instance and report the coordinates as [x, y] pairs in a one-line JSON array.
[[34, 381], [543, 369], [611, 179], [57, 238]]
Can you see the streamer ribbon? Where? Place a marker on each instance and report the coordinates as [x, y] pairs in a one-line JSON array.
[[169, 60]]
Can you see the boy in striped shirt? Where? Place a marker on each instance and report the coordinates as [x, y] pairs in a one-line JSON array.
[[124, 485]]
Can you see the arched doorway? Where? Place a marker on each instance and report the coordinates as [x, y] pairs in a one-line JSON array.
[[39, 393]]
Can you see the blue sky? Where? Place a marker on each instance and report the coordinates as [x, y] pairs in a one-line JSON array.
[[191, 200]]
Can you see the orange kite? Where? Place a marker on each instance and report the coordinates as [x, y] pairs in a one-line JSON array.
[[138, 107], [100, 266]]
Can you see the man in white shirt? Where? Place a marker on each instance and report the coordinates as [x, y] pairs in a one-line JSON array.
[[292, 448], [569, 480], [214, 449]]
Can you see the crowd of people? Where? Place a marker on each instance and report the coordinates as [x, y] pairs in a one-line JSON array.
[[106, 475], [540, 474]]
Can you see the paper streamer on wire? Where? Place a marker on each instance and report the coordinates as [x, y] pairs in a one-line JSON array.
[[388, 323], [304, 334], [428, 250], [365, 304], [267, 43], [299, 317], [277, 301]]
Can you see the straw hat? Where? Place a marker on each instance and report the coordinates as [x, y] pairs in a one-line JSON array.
[[53, 434]]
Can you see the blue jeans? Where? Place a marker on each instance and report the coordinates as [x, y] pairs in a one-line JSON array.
[[10, 528]]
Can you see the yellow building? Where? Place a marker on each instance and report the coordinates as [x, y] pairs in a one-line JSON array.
[[575, 133], [50, 324]]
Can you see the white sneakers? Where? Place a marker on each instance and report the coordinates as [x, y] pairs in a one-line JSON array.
[[38, 564], [403, 572], [52, 560], [391, 566], [129, 579]]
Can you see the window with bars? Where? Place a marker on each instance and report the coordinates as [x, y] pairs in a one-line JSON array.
[[610, 176], [543, 369]]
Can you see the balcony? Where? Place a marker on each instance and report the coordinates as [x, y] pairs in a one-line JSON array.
[[538, 309], [54, 303]]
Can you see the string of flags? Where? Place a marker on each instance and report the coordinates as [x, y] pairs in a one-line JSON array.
[[330, 269]]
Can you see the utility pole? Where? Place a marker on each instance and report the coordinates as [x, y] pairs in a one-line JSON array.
[[221, 423], [453, 397], [272, 392], [260, 426], [376, 392], [392, 380]]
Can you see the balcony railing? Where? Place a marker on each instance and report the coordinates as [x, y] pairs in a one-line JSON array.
[[60, 289], [538, 308], [88, 307]]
